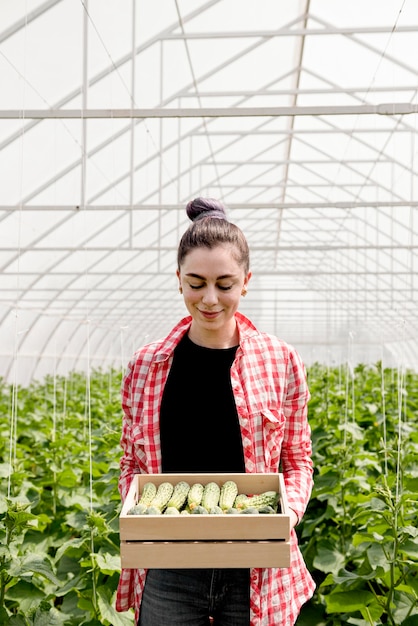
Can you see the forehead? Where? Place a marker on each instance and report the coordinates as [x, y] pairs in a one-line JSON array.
[[218, 261]]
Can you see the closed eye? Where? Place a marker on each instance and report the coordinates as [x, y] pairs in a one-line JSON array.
[[221, 287]]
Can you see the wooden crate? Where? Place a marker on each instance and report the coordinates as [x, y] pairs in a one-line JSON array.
[[206, 541]]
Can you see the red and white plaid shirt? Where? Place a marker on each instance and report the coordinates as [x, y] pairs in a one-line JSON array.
[[271, 395]]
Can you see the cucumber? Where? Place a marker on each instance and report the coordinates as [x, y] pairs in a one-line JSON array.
[[229, 492], [211, 493], [171, 510], [267, 498], [153, 510], [266, 510], [251, 510], [240, 500], [179, 495], [215, 510], [149, 491], [163, 495], [195, 495], [137, 509]]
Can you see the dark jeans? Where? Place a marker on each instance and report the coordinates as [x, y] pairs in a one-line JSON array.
[[188, 597]]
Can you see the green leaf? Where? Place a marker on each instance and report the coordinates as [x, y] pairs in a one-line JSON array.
[[372, 612], [412, 531], [50, 617], [36, 564], [26, 595], [404, 603], [377, 557], [14, 620], [348, 601], [67, 478], [109, 613], [17, 518], [70, 546], [74, 583], [409, 548], [345, 576], [329, 560], [377, 504], [108, 563], [411, 484]]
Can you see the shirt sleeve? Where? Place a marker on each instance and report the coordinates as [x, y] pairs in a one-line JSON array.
[[129, 463], [296, 455]]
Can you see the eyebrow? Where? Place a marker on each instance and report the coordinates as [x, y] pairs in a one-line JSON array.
[[192, 275]]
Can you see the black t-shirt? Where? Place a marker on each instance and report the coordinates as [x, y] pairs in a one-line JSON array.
[[198, 418]]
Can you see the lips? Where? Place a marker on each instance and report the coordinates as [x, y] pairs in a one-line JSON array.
[[209, 315]]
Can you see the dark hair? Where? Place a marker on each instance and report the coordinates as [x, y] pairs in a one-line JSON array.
[[211, 228]]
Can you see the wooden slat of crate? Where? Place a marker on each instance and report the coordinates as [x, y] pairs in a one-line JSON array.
[[204, 527], [205, 554]]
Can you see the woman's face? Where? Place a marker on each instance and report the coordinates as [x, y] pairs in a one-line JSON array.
[[212, 282]]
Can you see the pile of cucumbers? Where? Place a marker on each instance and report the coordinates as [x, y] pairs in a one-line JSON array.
[[198, 499]]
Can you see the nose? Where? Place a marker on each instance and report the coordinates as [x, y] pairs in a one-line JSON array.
[[210, 296]]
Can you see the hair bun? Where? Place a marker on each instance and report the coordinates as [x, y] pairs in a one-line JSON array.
[[205, 207]]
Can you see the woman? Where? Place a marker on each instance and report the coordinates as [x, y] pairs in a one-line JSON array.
[[217, 395]]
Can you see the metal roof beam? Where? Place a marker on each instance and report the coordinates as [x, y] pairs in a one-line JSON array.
[[389, 108], [27, 19], [326, 204], [292, 32], [303, 91], [263, 274], [93, 289], [287, 248]]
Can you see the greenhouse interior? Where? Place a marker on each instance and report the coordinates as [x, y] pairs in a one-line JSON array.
[[301, 118]]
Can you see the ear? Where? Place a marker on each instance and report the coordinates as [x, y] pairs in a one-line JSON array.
[[247, 279]]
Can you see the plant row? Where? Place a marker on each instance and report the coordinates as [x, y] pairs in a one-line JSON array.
[[60, 506]]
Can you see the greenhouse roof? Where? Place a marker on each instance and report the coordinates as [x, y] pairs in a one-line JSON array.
[[300, 116]]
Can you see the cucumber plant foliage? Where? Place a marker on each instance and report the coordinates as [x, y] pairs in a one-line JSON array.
[[59, 502]]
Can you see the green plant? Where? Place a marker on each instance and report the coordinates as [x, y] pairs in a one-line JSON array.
[[59, 516], [59, 501], [359, 536]]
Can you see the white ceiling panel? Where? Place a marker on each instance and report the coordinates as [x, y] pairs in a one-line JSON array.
[[300, 116]]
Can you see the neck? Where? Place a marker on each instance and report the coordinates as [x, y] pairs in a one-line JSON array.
[[220, 340]]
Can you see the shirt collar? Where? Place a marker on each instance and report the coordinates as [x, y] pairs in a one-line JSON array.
[[246, 329]]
